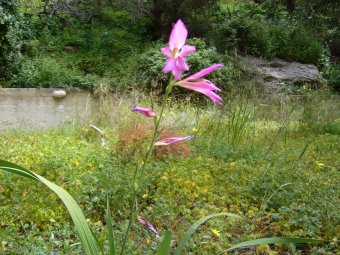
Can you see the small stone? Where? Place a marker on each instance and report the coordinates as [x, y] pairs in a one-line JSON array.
[[59, 93]]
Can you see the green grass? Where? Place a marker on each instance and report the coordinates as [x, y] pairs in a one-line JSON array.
[[276, 164]]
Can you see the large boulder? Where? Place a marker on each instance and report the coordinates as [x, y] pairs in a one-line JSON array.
[[279, 70]]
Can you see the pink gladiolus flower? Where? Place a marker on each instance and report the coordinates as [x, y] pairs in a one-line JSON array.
[[197, 83], [145, 111], [177, 51], [148, 225], [171, 140]]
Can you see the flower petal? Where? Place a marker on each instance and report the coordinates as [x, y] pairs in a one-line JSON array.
[[177, 73], [178, 36], [148, 225], [171, 140], [213, 96], [169, 65], [197, 84], [144, 111], [182, 64], [187, 49], [205, 71], [166, 51]]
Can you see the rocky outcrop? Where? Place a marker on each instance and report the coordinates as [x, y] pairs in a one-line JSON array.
[[279, 70]]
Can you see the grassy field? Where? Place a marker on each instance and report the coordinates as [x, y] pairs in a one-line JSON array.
[[273, 160]]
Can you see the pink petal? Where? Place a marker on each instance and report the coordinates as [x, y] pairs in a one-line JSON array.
[[169, 65], [213, 96], [178, 36], [166, 51], [203, 72], [199, 84], [187, 49], [171, 140], [177, 73], [144, 111], [182, 64]]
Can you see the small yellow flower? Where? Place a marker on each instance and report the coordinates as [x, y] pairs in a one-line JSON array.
[[89, 166], [164, 177], [194, 129], [76, 163], [203, 190], [147, 241], [207, 176], [320, 164], [215, 232], [145, 196]]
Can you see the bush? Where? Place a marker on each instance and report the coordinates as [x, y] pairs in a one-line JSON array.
[[48, 72], [332, 77], [11, 34], [249, 30]]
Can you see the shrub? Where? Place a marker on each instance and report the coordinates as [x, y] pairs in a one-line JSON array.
[[11, 34], [249, 30], [49, 72], [333, 77]]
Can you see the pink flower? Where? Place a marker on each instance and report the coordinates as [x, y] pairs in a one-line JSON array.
[[177, 51], [148, 225], [197, 83], [171, 140], [145, 111]]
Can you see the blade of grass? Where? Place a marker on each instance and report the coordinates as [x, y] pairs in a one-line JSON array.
[[110, 228], [273, 240], [166, 244], [16, 169], [198, 223], [89, 241]]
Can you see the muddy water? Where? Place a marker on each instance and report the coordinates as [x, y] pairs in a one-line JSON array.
[[39, 108]]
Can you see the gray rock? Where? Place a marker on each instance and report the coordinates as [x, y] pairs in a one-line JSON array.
[[279, 70]]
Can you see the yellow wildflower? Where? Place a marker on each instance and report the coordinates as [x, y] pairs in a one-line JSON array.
[[320, 164], [164, 177], [147, 241], [215, 232]]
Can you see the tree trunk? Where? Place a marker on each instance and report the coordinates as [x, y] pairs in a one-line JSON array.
[[290, 6]]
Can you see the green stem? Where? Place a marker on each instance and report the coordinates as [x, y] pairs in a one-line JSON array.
[[141, 168]]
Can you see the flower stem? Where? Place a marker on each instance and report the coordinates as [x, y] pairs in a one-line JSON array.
[[141, 168]]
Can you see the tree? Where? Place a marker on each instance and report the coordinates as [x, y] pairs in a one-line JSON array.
[[10, 37], [163, 13]]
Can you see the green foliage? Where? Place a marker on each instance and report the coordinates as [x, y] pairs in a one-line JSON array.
[[89, 241], [248, 29], [164, 13], [82, 55], [11, 35], [333, 77], [49, 72]]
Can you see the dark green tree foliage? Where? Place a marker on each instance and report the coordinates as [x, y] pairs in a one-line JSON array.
[[321, 16], [10, 37], [266, 31], [164, 13]]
